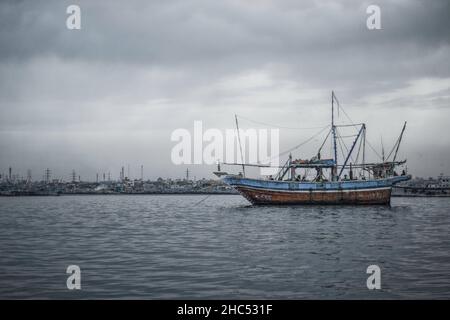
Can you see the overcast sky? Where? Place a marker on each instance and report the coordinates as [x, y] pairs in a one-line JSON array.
[[111, 93]]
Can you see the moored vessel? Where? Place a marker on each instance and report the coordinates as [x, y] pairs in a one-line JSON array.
[[333, 180]]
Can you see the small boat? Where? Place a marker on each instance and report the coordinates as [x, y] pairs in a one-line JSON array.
[[347, 183]]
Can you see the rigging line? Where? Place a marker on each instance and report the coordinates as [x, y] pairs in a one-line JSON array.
[[399, 141], [345, 113], [275, 126], [331, 147], [348, 125], [346, 148], [328, 134], [340, 146], [348, 117], [338, 104], [393, 148], [345, 145], [297, 146], [336, 99], [397, 144], [359, 149], [303, 143], [367, 141], [373, 149], [195, 204], [240, 145]]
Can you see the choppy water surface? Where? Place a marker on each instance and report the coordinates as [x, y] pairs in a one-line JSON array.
[[174, 247]]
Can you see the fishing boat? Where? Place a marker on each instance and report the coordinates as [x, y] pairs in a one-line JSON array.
[[325, 180]]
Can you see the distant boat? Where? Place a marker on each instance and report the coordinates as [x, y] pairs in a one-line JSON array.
[[373, 185], [432, 187]]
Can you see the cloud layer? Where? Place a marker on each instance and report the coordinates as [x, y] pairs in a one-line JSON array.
[[111, 93]]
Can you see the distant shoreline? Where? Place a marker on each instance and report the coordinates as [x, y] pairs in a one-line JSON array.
[[175, 194], [119, 194]]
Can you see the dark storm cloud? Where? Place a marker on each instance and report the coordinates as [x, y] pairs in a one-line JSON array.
[[205, 34], [153, 66]]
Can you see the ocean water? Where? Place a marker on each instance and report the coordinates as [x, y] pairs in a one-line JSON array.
[[219, 246]]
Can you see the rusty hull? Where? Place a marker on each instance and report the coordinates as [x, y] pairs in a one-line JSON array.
[[380, 196]]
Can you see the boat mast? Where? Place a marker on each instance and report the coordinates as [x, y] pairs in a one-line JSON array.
[[364, 154], [333, 130], [363, 127], [240, 145], [399, 141]]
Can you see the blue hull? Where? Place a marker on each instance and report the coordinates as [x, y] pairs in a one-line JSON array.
[[259, 191]]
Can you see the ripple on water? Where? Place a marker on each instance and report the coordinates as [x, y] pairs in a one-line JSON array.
[[175, 247]]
